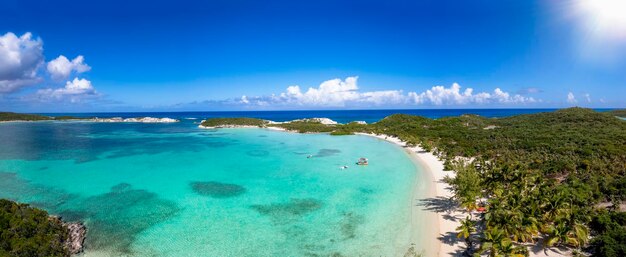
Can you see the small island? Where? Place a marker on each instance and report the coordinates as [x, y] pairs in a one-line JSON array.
[[14, 117]]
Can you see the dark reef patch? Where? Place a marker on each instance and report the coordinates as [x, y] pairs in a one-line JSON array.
[[216, 189], [258, 153], [115, 219], [365, 190], [327, 152], [349, 223], [287, 212]]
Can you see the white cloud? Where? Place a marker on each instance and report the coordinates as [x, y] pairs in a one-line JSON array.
[[440, 95], [341, 93], [75, 90], [588, 98], [61, 68], [20, 58], [571, 99], [334, 92]]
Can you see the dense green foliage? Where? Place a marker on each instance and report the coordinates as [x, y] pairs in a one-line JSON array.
[[541, 174], [27, 231], [216, 122], [11, 116], [619, 113], [610, 226], [306, 127], [536, 175], [69, 118]]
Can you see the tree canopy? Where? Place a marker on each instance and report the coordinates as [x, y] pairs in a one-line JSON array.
[[26, 231]]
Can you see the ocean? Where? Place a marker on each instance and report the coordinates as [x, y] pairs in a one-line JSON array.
[[173, 189]]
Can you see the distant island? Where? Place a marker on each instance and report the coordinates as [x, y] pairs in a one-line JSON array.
[[11, 116], [554, 179]]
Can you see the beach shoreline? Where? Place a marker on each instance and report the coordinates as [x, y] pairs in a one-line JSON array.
[[446, 222]]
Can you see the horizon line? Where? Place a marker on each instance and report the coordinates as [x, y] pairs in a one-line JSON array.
[[332, 110]]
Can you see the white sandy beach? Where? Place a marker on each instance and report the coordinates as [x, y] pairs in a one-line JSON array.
[[444, 238]]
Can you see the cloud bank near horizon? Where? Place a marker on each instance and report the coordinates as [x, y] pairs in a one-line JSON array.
[[337, 93]]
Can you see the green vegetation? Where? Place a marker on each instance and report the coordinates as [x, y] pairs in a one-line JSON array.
[[68, 118], [306, 127], [610, 227], [537, 176], [27, 231], [619, 113], [11, 116], [217, 122], [541, 174]]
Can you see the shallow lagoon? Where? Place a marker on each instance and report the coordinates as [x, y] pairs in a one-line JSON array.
[[177, 190]]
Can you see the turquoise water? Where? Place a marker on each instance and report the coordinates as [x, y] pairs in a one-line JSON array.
[[177, 190]]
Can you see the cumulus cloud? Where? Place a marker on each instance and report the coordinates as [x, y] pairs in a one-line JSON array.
[[453, 95], [341, 93], [334, 92], [61, 67], [571, 99], [75, 90], [20, 58]]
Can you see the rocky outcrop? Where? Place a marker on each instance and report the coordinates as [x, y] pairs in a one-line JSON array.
[[325, 121], [76, 237], [139, 120]]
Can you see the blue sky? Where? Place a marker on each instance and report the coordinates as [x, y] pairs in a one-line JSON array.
[[251, 55]]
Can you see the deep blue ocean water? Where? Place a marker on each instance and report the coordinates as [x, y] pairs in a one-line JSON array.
[[341, 116]]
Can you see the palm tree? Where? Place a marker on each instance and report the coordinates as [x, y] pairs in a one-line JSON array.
[[508, 249], [560, 233], [578, 235], [492, 242], [465, 231]]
